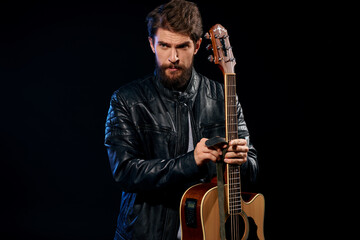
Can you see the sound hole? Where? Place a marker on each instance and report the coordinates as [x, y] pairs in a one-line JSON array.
[[235, 227], [252, 230]]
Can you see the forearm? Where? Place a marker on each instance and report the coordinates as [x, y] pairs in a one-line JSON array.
[[139, 175], [132, 165]]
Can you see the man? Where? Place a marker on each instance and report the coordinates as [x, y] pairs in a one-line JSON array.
[[157, 127]]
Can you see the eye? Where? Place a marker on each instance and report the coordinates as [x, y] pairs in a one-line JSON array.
[[163, 45], [183, 46]]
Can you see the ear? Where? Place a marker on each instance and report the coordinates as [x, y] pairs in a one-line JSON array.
[[197, 46], [151, 41]]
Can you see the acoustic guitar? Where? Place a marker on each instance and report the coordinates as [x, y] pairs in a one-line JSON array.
[[199, 207]]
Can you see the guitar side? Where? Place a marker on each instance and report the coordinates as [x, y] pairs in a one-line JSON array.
[[201, 193], [255, 208], [207, 214]]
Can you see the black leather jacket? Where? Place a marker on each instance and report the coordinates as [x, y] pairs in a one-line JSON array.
[[147, 149]]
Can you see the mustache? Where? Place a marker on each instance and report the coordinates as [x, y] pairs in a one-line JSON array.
[[172, 65]]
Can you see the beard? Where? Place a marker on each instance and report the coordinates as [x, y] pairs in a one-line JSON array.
[[177, 80]]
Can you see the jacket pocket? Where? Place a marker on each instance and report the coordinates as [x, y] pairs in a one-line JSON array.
[[156, 140]]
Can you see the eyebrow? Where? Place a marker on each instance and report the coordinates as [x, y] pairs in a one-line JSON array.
[[184, 44]]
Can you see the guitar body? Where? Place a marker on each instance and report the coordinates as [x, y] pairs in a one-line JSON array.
[[207, 224]]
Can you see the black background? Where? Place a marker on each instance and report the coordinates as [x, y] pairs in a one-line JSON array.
[[60, 62]]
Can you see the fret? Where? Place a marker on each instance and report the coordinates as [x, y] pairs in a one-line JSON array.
[[235, 209], [236, 206], [234, 191], [232, 132], [236, 202], [235, 174], [235, 197], [234, 178]]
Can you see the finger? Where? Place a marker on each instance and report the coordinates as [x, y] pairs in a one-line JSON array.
[[235, 161], [210, 157], [205, 149], [238, 142], [212, 151], [219, 148], [238, 148], [236, 155]]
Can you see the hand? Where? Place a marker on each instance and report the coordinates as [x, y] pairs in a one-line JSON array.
[[203, 154], [237, 152]]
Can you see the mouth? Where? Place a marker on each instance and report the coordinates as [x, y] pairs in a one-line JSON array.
[[174, 68]]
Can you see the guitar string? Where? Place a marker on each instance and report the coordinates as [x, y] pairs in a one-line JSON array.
[[230, 168], [237, 167], [235, 203], [234, 167], [231, 171]]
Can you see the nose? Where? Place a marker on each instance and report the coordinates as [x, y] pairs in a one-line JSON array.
[[173, 58]]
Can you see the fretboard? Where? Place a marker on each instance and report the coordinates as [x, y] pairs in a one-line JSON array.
[[233, 171]]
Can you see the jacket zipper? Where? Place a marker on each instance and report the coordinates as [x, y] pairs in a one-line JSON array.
[[178, 128]]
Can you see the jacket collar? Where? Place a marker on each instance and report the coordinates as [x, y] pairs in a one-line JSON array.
[[187, 95]]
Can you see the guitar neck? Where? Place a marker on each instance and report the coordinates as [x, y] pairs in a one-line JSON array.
[[230, 107], [233, 171]]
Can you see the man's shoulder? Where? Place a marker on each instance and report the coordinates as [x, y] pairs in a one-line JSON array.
[[213, 89], [136, 91]]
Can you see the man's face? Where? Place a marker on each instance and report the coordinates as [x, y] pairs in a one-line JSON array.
[[174, 54]]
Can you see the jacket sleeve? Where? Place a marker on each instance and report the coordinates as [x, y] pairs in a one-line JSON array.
[[250, 168], [130, 167]]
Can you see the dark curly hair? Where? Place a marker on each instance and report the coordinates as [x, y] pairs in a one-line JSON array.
[[178, 16]]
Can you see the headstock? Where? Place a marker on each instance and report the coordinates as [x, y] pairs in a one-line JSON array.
[[220, 44]]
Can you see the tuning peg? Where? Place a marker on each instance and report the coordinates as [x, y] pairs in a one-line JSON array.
[[209, 47], [211, 58], [207, 35]]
